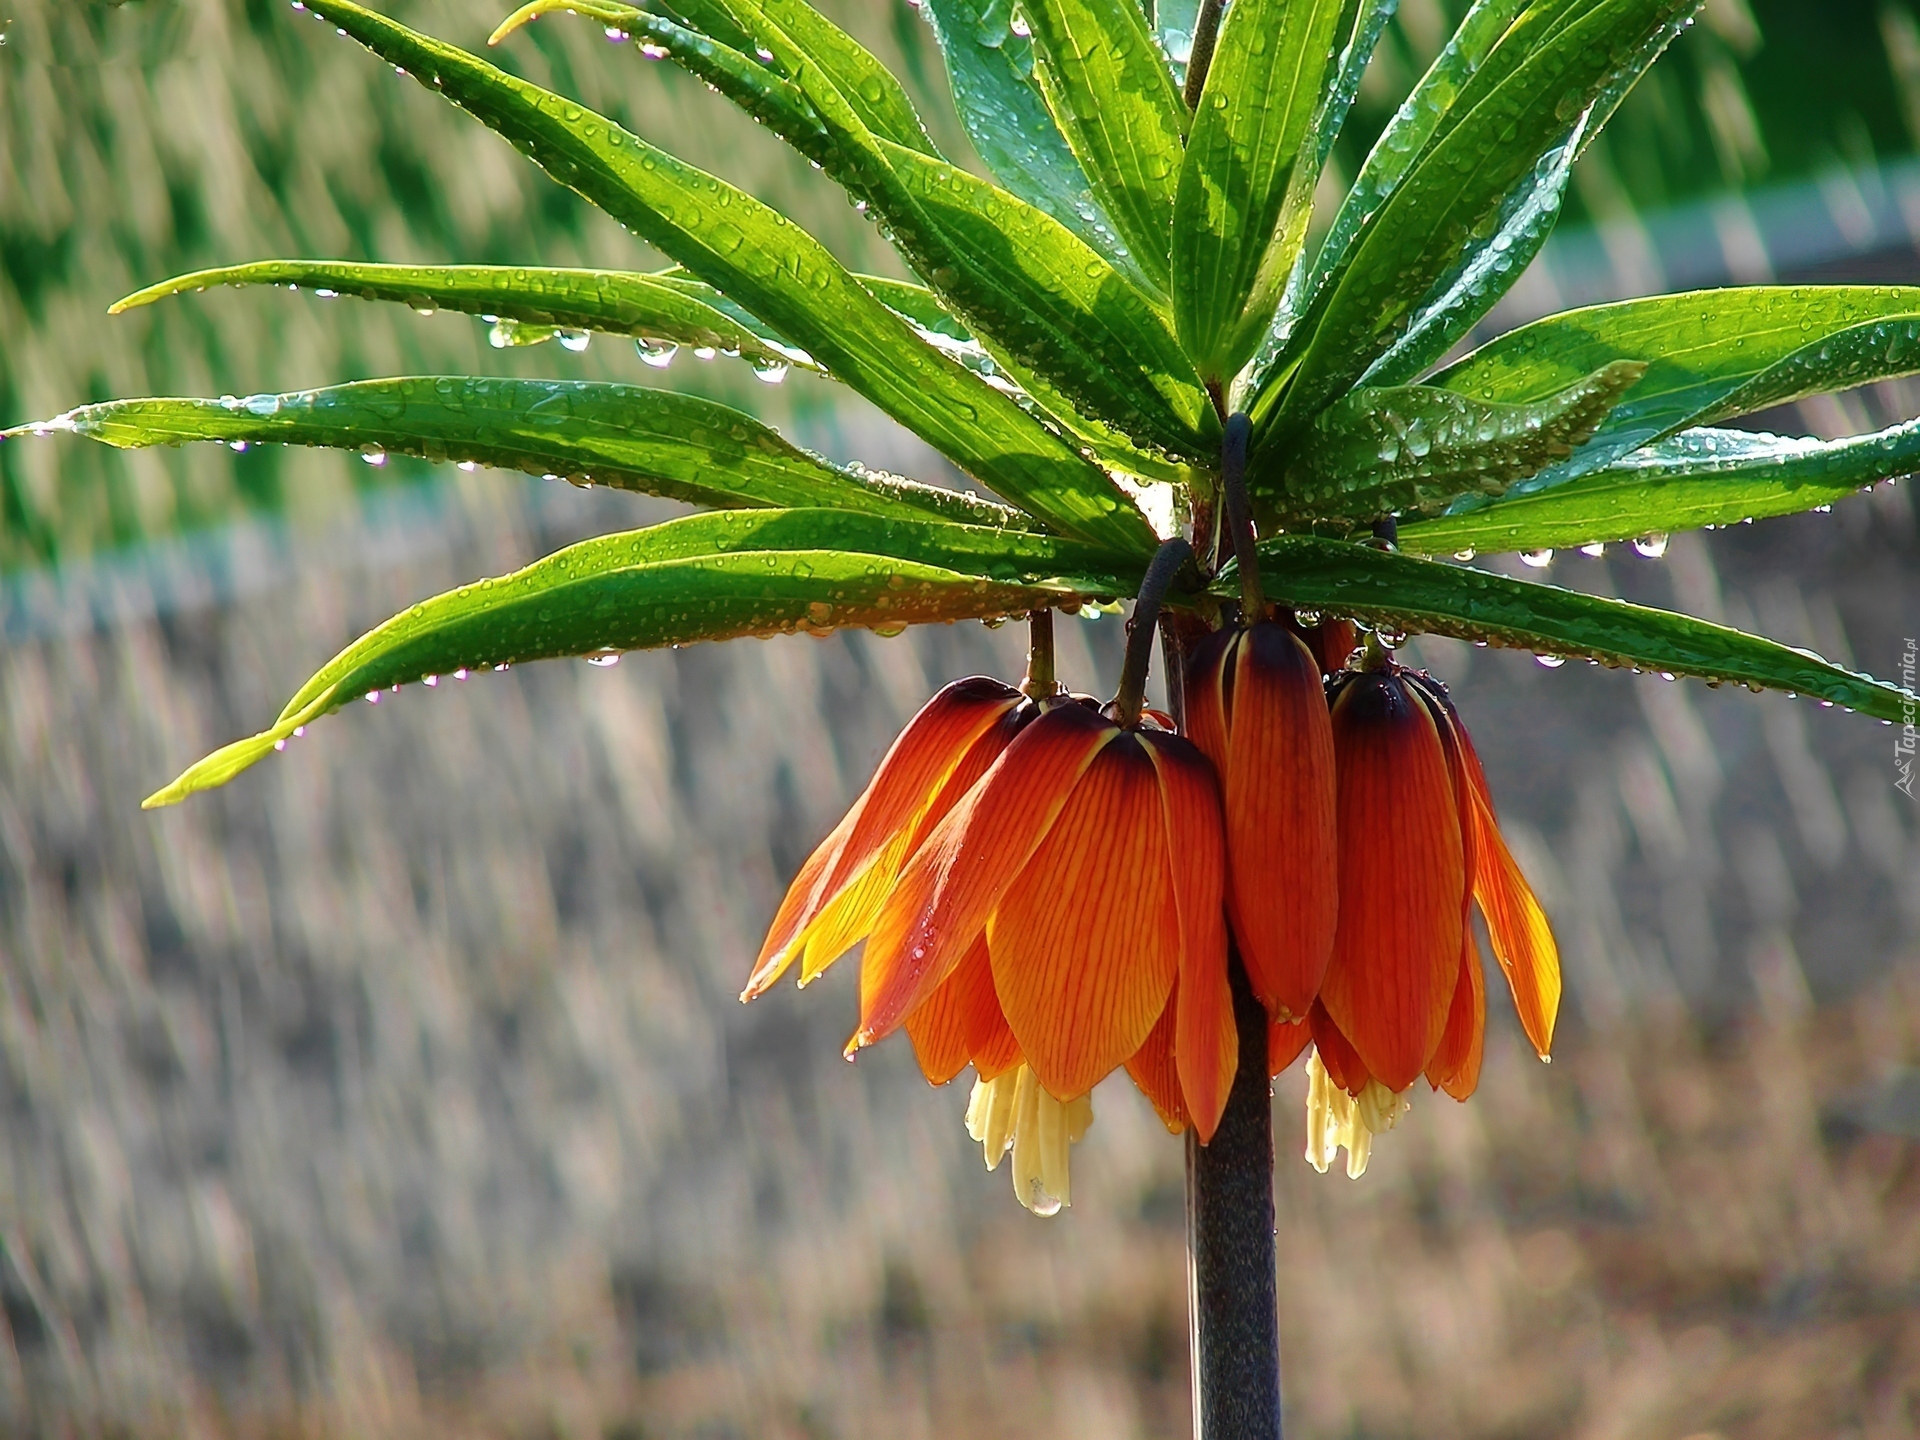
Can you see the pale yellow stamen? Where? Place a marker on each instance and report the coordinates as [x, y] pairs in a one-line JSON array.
[[1014, 1111], [1336, 1119]]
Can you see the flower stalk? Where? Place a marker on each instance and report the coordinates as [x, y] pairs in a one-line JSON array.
[[1233, 485], [1232, 1300], [1131, 697], [1232, 1296], [1042, 681]]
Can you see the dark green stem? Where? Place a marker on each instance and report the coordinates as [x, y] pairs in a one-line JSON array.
[[1041, 681], [1233, 486], [1132, 694], [1231, 1280], [1206, 30]]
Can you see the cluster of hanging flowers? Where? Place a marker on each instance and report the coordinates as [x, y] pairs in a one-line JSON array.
[[1046, 888]]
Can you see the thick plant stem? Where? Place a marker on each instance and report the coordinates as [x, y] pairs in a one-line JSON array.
[[1231, 1292], [1206, 30], [1041, 682], [1141, 629], [1233, 489]]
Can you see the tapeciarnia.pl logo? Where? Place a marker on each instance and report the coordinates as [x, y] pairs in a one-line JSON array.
[[1903, 748]]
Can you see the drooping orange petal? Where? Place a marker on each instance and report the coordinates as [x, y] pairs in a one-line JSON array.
[[1209, 671], [850, 915], [1343, 1063], [1282, 885], [1155, 1071], [798, 906], [872, 836], [1396, 955], [1455, 1067], [940, 903], [1285, 1041], [943, 1027], [1086, 942], [1207, 1040], [990, 1039], [1522, 940]]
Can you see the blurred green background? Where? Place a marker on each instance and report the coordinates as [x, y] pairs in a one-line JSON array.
[[400, 1089]]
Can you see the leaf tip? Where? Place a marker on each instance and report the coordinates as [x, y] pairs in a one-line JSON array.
[[525, 15]]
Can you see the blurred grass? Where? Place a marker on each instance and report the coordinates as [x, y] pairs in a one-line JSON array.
[[401, 1091]]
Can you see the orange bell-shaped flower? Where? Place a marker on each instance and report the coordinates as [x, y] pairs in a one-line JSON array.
[[833, 900], [1090, 860], [1405, 994], [1257, 708], [1403, 876]]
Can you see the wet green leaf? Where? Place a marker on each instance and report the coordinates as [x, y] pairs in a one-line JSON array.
[[706, 577], [1263, 90], [1408, 133], [990, 70], [752, 253], [623, 436], [1072, 330], [1449, 200], [1401, 592], [1113, 98], [1696, 478], [1415, 448], [1711, 355], [668, 309], [1048, 305]]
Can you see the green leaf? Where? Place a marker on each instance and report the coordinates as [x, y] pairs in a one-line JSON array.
[[1414, 595], [1115, 451], [1262, 93], [1459, 185], [869, 87], [1113, 98], [990, 70], [790, 33], [1485, 271], [662, 309], [1416, 448], [1047, 304], [1697, 478], [1362, 38], [765, 262], [1711, 354], [653, 441], [1408, 134], [1075, 332], [1491, 264], [706, 577]]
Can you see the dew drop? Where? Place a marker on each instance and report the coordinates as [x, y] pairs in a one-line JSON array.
[[1653, 545], [1595, 549], [657, 353], [1538, 559], [1551, 662]]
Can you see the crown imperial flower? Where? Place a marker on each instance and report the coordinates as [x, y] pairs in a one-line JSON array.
[[1257, 709], [1405, 994]]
